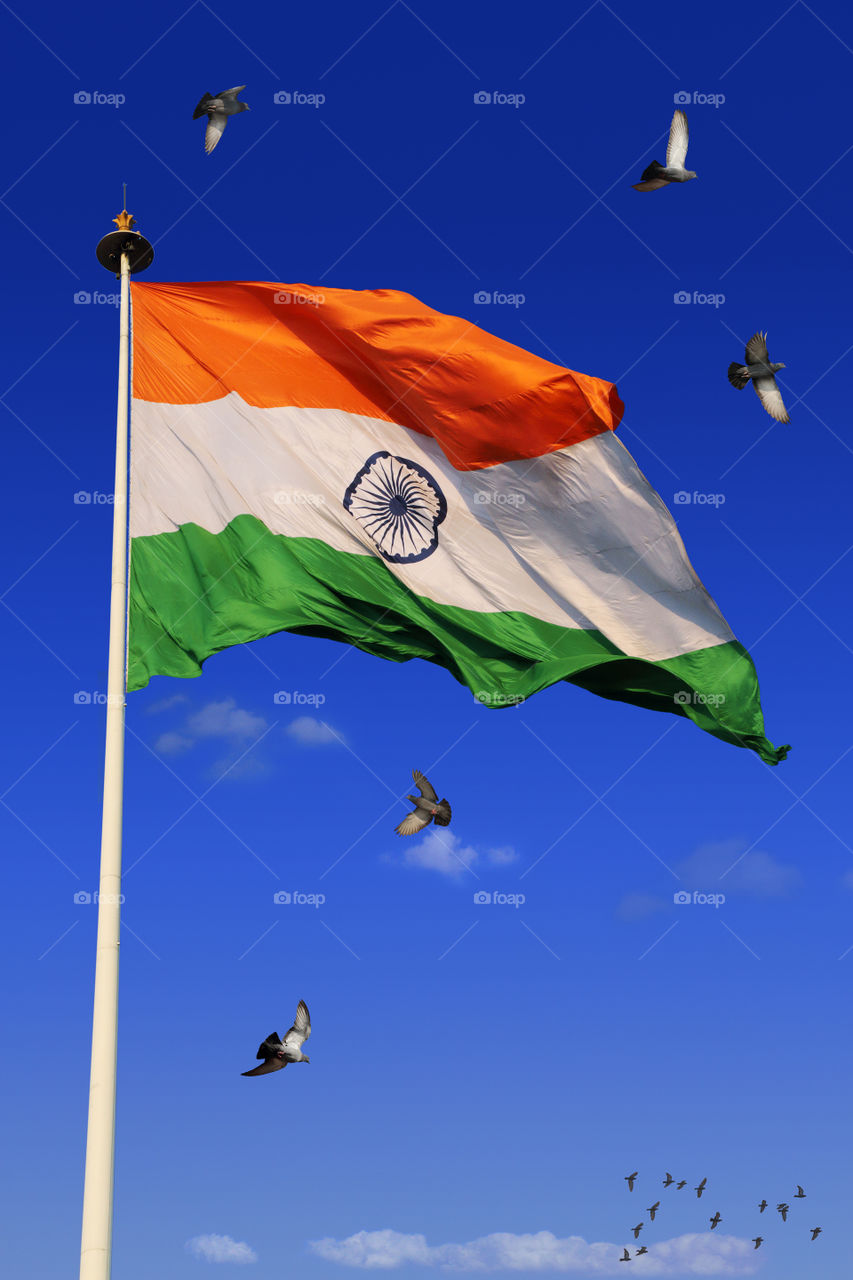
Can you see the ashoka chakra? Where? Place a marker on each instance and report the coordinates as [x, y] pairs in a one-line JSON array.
[[399, 505]]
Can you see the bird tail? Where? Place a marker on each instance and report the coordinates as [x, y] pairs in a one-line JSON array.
[[200, 109], [738, 375], [442, 821], [651, 171]]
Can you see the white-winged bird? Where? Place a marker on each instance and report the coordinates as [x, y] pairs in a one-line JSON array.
[[760, 370], [277, 1053], [218, 109], [427, 806], [659, 175]]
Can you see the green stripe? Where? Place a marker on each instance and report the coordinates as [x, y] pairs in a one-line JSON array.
[[193, 593]]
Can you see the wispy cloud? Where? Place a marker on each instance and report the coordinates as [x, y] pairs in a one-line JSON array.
[[214, 1248], [443, 851], [722, 867], [312, 732], [172, 744], [225, 720], [687, 1255], [217, 722], [166, 704]]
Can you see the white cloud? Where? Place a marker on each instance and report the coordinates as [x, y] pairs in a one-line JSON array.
[[687, 1255], [172, 744], [443, 851], [213, 1248], [725, 867], [225, 720], [312, 732], [166, 704]]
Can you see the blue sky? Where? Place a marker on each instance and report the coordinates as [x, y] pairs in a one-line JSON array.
[[477, 1068]]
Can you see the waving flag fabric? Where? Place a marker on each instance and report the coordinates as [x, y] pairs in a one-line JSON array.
[[357, 466]]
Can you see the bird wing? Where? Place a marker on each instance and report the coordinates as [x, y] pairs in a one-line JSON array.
[[423, 785], [216, 123], [651, 185], [413, 823], [231, 93], [202, 106], [800, 1192], [756, 349], [442, 819], [301, 1029], [676, 148], [269, 1046], [771, 398], [271, 1064]]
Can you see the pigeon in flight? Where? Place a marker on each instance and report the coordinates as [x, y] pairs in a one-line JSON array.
[[681, 1184], [651, 1212], [658, 175], [626, 1257], [427, 807], [815, 1232], [801, 1195], [715, 1221], [783, 1209], [668, 1180], [759, 368], [762, 1206], [218, 109], [277, 1053], [636, 1230], [645, 1250], [630, 1180], [758, 1241], [700, 1189]]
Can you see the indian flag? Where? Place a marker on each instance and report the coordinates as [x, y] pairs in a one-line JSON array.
[[357, 466]]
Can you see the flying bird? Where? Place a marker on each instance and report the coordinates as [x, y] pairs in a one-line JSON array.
[[783, 1209], [636, 1230], [626, 1257], [700, 1189], [668, 1180], [218, 109], [277, 1053], [428, 806], [681, 1184], [759, 369], [758, 1241], [658, 175], [715, 1221], [815, 1232], [645, 1250], [762, 1206], [801, 1195], [651, 1212]]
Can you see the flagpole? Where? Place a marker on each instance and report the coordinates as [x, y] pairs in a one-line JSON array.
[[123, 251]]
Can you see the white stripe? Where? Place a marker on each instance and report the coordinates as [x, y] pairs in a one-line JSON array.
[[577, 538]]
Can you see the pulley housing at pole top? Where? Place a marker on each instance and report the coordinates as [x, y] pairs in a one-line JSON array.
[[140, 254]]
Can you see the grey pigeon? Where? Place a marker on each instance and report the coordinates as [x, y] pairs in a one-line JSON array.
[[277, 1053], [668, 1180], [815, 1232], [630, 1180], [716, 1220], [758, 1241], [651, 1212], [659, 175], [636, 1230], [783, 1209], [801, 1195], [645, 1250], [759, 369], [700, 1189], [218, 109], [427, 806], [762, 1206], [626, 1257]]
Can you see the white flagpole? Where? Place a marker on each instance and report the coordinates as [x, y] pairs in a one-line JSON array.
[[130, 252]]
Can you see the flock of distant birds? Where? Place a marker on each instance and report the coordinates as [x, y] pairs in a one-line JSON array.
[[782, 1208]]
